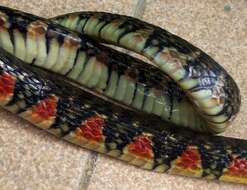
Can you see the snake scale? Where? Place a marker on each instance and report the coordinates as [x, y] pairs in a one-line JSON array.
[[52, 72]]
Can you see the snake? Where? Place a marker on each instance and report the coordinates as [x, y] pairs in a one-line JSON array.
[[57, 74]]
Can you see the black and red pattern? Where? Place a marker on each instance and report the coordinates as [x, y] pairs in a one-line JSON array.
[[7, 84], [92, 129], [130, 129], [45, 109], [100, 125], [141, 146]]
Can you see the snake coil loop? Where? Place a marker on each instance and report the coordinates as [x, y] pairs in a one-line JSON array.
[[135, 120]]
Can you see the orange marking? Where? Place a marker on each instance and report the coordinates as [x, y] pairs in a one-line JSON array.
[[141, 35], [45, 109], [7, 84], [92, 129], [72, 16], [72, 41], [141, 146], [37, 28], [190, 159], [3, 21]]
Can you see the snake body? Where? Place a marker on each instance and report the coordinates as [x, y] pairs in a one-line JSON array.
[[211, 90], [137, 123], [193, 70]]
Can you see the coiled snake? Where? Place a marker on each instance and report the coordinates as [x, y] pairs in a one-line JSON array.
[[143, 116]]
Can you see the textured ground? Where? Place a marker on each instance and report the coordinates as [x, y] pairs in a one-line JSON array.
[[31, 159]]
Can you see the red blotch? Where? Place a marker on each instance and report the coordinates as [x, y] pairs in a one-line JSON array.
[[190, 159], [7, 84], [92, 129], [45, 109], [238, 168], [141, 146]]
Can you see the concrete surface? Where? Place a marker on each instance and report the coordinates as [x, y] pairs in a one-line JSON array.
[[31, 159]]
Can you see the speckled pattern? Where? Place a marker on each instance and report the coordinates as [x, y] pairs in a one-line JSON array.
[[210, 25], [220, 33], [23, 163]]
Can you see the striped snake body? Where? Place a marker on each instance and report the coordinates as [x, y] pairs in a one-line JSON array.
[[143, 115]]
